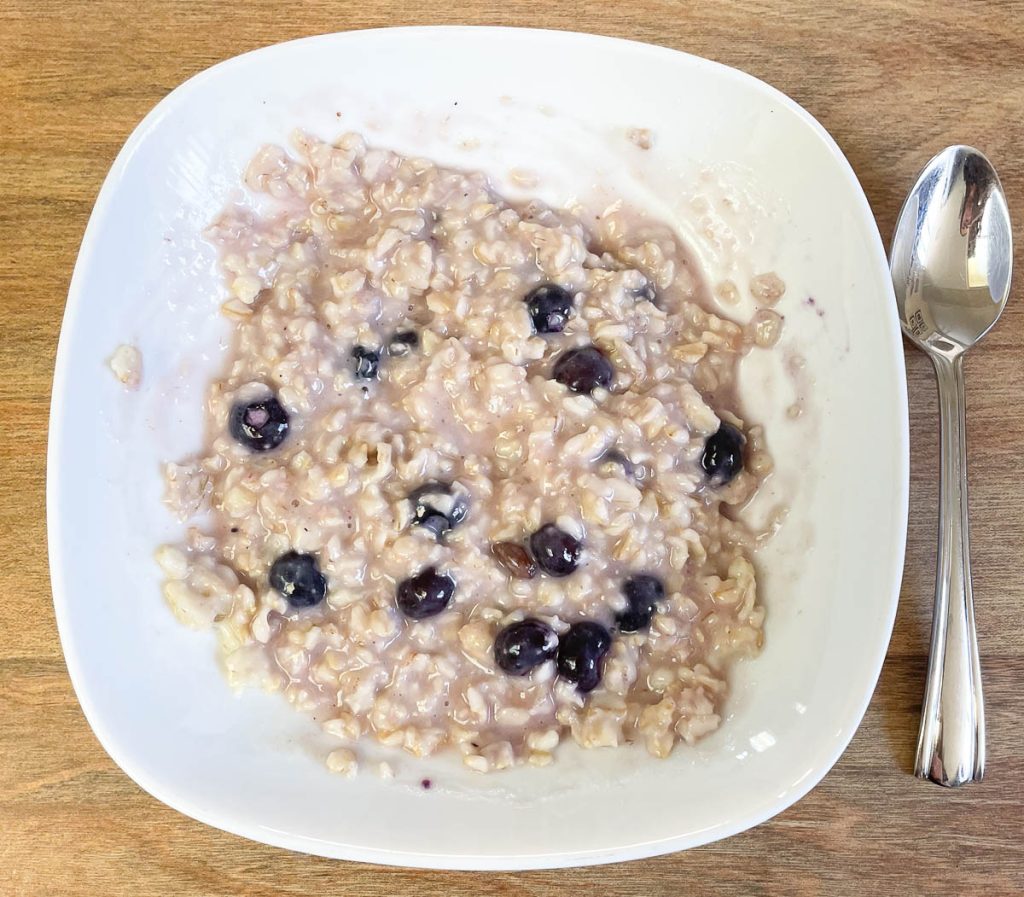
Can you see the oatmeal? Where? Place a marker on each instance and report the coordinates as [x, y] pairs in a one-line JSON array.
[[471, 467], [126, 364], [640, 137]]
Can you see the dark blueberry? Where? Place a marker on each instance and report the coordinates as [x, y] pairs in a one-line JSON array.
[[515, 559], [550, 307], [425, 594], [438, 507], [581, 654], [583, 369], [403, 342], [614, 456], [723, 454], [643, 592], [298, 578], [260, 426], [367, 363], [646, 293], [525, 645], [434, 522], [556, 552]]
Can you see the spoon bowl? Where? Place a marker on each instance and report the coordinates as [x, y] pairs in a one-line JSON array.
[[951, 254], [951, 261]]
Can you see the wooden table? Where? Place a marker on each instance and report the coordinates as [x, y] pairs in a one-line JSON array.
[[893, 82]]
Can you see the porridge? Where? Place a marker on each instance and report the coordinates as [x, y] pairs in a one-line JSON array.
[[472, 467], [126, 365]]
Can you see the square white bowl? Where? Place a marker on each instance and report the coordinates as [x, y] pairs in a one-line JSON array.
[[752, 182]]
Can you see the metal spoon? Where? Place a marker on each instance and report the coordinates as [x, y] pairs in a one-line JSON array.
[[951, 259]]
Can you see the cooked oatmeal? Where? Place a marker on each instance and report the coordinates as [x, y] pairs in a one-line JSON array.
[[471, 468], [126, 364]]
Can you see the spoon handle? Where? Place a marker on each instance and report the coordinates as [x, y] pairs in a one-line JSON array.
[[951, 743]]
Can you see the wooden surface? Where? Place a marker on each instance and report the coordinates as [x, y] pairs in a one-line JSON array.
[[893, 82]]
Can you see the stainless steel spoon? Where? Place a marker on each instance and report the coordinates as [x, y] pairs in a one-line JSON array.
[[951, 259]]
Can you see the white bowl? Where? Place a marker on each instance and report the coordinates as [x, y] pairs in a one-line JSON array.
[[752, 181]]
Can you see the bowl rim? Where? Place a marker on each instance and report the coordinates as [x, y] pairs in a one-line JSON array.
[[226, 822]]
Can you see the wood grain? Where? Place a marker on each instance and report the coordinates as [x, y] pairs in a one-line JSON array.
[[892, 81]]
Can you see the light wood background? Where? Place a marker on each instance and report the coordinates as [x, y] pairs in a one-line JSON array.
[[892, 81]]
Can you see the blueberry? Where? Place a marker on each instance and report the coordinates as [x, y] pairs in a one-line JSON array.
[[614, 456], [556, 552], [367, 363], [525, 645], [438, 507], [646, 293], [425, 594], [583, 369], [550, 307], [403, 342], [581, 654], [434, 522], [723, 454], [260, 426], [643, 592], [298, 578]]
